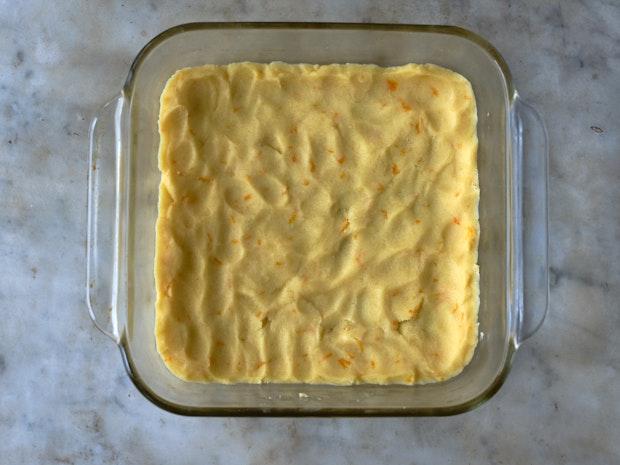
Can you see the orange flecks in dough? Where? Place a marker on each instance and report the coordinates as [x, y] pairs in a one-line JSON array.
[[217, 261], [342, 159], [434, 91], [392, 85], [373, 364], [294, 158], [395, 169], [405, 106], [395, 325], [306, 182], [418, 221], [247, 197], [455, 220], [344, 363], [380, 187], [279, 263], [345, 225], [312, 166], [327, 356]]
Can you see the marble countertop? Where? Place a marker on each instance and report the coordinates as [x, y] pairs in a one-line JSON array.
[[64, 395]]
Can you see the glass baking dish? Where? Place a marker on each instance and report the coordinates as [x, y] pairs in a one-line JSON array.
[[122, 209]]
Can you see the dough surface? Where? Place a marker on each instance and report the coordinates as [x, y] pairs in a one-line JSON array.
[[317, 224]]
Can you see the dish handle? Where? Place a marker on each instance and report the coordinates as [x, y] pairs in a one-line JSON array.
[[102, 217], [531, 239]]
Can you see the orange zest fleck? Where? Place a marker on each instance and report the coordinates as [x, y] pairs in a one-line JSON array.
[[417, 221], [217, 261], [418, 128], [345, 225], [342, 159], [395, 169], [434, 91], [373, 364], [327, 355], [344, 363], [293, 130], [392, 85], [455, 220], [405, 106], [247, 197], [395, 325], [279, 263], [312, 166], [305, 182], [359, 259], [380, 187], [294, 158]]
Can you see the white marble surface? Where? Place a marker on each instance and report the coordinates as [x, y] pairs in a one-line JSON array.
[[64, 396]]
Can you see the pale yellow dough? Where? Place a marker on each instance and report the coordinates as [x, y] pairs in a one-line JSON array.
[[317, 224]]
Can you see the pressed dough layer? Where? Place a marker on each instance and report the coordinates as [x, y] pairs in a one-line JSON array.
[[317, 224]]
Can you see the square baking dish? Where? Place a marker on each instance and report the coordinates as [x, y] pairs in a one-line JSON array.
[[123, 181]]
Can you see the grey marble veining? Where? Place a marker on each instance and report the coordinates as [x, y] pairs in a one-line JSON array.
[[64, 396]]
